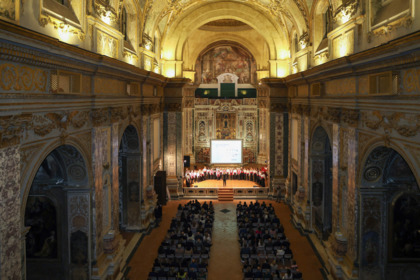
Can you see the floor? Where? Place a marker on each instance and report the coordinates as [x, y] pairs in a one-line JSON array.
[[224, 262]]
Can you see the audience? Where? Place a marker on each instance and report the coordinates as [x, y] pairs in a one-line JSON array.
[[184, 252], [265, 250]]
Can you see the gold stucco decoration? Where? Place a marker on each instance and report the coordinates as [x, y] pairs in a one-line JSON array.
[[17, 77], [61, 25]]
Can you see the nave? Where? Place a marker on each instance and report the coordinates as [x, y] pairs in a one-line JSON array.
[[224, 258]]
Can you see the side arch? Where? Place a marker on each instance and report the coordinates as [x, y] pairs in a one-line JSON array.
[[40, 157]]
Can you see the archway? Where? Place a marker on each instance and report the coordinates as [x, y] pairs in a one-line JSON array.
[[57, 214], [321, 179], [389, 223], [129, 161]]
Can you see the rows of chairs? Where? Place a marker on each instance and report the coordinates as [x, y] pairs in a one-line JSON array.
[[184, 252], [265, 250]]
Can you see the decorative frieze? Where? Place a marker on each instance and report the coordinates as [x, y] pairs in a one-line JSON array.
[[16, 77], [100, 116], [134, 112], [118, 114], [404, 22], [106, 12], [407, 125], [350, 116], [11, 129], [9, 10], [278, 107], [346, 11], [173, 107], [61, 26], [333, 114], [78, 118]]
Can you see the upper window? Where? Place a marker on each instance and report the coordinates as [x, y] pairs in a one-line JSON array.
[[124, 24]]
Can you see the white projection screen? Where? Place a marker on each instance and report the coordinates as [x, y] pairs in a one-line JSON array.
[[226, 152]]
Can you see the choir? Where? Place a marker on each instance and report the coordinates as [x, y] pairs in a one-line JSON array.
[[251, 174]]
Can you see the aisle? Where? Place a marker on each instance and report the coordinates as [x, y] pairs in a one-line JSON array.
[[225, 262], [142, 260]]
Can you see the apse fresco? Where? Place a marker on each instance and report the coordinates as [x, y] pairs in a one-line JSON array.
[[224, 59]]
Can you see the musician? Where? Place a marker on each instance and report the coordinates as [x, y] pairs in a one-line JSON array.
[[263, 179]]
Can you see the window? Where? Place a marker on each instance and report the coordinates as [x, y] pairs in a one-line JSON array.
[[327, 22], [124, 23]]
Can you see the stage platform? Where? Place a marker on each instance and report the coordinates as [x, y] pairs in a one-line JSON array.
[[208, 189]]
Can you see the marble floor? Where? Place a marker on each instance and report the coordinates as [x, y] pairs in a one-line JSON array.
[[224, 262]]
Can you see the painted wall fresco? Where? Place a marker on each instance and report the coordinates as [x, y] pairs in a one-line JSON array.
[[41, 216], [226, 125], [225, 59]]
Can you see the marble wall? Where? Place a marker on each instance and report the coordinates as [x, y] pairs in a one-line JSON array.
[[10, 230]]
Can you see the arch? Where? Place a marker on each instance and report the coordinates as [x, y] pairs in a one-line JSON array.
[[378, 142], [130, 187], [386, 173], [50, 214], [124, 128], [194, 18], [321, 182], [48, 148]]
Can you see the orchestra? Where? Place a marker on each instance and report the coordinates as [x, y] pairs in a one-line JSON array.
[[248, 174]]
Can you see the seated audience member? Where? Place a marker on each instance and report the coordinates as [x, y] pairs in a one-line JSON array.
[[288, 275], [181, 274]]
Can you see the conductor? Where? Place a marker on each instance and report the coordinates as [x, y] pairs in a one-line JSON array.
[[224, 179]]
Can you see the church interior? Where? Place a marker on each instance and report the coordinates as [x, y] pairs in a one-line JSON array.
[[108, 106]]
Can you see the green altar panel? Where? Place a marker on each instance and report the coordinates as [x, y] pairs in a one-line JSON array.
[[247, 93], [206, 92], [227, 90]]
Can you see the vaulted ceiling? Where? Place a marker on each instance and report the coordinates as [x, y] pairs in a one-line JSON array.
[[273, 20]]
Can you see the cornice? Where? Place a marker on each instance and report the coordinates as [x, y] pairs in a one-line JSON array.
[[34, 48], [395, 54]]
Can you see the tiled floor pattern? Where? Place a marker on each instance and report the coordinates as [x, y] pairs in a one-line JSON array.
[[224, 263]]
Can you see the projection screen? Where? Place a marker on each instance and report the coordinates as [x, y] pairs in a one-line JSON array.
[[226, 152]]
